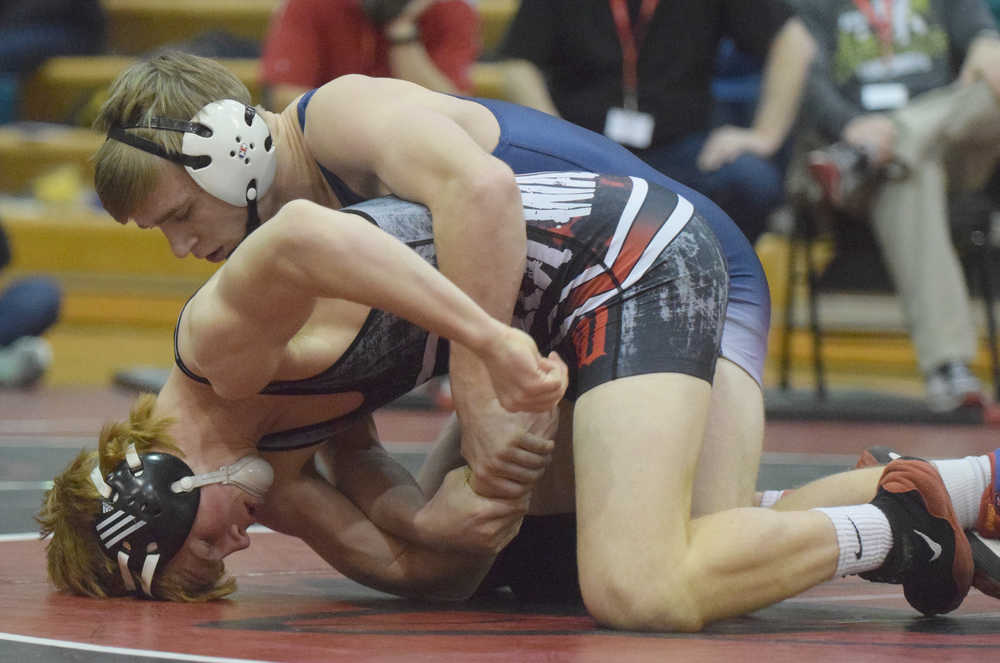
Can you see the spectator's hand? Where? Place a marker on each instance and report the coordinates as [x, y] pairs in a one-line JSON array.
[[457, 518], [874, 133], [508, 452], [523, 380], [982, 63], [727, 143]]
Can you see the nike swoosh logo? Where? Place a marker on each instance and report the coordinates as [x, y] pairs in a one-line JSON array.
[[931, 543], [861, 547], [894, 456]]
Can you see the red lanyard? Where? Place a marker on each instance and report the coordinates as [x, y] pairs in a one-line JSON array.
[[881, 24], [630, 41]]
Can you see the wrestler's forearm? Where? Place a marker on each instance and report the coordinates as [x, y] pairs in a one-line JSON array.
[[447, 576], [480, 241], [381, 488], [269, 287], [359, 262], [427, 149], [314, 511]]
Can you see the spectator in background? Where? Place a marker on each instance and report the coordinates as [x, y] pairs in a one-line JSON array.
[[641, 72], [28, 307], [309, 42], [33, 30], [886, 88]]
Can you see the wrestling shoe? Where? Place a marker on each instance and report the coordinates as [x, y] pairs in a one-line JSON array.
[[930, 555], [877, 455], [982, 540]]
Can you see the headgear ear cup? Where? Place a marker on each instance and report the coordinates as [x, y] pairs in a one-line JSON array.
[[240, 150]]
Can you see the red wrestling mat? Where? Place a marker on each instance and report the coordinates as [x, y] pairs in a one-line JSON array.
[[292, 607]]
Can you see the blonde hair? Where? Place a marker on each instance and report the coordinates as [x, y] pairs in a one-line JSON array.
[[76, 562], [172, 84]]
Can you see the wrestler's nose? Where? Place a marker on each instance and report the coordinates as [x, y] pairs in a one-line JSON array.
[[181, 242]]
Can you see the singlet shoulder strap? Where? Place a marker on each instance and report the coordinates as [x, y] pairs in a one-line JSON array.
[[177, 353], [344, 194]]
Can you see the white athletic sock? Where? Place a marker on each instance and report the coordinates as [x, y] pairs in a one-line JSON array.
[[965, 480], [769, 497], [864, 537]]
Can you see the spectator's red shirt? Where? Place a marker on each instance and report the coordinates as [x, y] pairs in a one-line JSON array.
[[310, 42]]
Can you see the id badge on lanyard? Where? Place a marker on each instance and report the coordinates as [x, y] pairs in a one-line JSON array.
[[627, 124]]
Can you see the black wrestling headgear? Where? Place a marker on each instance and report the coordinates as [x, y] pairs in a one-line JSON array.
[[149, 504], [143, 522]]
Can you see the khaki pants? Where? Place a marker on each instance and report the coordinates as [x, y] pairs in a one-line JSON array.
[[948, 139]]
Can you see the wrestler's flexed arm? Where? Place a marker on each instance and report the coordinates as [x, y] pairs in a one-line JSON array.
[[364, 514], [238, 327], [435, 149], [316, 512]]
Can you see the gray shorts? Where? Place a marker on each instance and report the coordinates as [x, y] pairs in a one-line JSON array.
[[669, 321]]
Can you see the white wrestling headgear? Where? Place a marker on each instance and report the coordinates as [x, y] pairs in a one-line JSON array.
[[227, 149]]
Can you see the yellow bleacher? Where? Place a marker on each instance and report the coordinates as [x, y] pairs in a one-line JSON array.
[[63, 85], [123, 288], [135, 26]]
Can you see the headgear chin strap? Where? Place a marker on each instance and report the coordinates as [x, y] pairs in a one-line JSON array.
[[227, 149], [251, 473], [149, 503]]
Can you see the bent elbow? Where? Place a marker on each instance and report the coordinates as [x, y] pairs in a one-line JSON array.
[[231, 391], [496, 182], [451, 590], [233, 378], [492, 187]]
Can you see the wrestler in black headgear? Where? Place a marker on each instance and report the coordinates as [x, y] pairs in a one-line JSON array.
[[149, 503]]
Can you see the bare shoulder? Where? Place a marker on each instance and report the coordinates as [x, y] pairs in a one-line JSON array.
[[354, 93]]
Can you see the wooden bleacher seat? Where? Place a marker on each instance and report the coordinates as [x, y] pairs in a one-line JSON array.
[[30, 150], [110, 274], [64, 85], [136, 26]]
